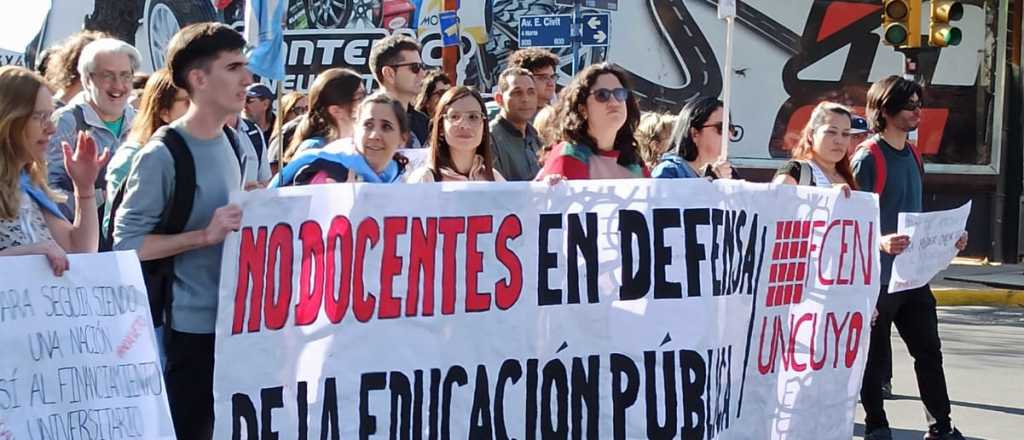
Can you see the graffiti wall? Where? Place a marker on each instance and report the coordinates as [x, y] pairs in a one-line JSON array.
[[789, 54]]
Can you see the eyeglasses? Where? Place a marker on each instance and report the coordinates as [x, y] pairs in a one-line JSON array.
[[415, 68], [110, 77], [544, 78], [42, 117], [912, 105], [299, 110], [438, 92], [603, 95], [735, 131], [474, 118]]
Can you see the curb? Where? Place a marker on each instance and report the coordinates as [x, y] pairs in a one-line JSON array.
[[978, 297]]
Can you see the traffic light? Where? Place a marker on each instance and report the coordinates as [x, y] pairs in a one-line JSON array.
[[940, 32], [901, 23]]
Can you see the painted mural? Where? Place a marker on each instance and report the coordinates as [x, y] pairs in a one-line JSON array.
[[789, 54]]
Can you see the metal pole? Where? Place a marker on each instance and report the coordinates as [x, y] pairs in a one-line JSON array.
[[730, 22], [576, 34], [450, 54]]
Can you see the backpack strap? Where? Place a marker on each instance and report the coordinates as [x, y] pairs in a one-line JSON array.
[[79, 115], [255, 136], [806, 173], [875, 151], [237, 148], [180, 207]]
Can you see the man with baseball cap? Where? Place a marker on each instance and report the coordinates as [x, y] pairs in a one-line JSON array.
[[259, 108]]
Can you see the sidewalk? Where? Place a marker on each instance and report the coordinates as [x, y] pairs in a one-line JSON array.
[[971, 282]]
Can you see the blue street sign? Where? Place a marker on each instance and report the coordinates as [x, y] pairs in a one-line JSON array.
[[595, 30], [545, 30], [449, 24], [608, 5]]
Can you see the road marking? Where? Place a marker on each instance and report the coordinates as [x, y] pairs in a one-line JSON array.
[[677, 13], [701, 55]]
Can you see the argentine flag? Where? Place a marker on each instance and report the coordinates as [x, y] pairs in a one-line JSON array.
[[264, 34]]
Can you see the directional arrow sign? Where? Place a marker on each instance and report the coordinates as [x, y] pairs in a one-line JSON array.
[[608, 5], [545, 30], [595, 30]]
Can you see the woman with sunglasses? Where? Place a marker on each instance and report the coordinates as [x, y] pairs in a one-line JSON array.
[[371, 155], [333, 99], [30, 222], [822, 157], [460, 147], [697, 144], [434, 85], [596, 116]]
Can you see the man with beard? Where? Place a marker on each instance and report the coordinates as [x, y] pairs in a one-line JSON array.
[[890, 166]]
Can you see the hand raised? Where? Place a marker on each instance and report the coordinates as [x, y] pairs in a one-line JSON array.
[[84, 162]]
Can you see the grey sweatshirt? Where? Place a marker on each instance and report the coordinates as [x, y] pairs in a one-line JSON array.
[[149, 187]]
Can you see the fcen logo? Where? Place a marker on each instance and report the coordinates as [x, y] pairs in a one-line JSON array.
[[837, 252]]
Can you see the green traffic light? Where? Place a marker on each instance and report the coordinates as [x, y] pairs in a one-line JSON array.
[[896, 34], [954, 36]]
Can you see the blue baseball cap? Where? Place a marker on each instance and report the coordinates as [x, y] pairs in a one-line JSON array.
[[858, 124]]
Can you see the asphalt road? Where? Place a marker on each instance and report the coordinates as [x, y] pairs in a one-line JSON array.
[[983, 350]]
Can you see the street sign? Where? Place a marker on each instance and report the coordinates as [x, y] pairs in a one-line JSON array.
[[608, 5], [449, 24], [545, 30], [595, 30]]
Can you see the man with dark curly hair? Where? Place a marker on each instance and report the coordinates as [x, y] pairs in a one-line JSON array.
[[543, 64]]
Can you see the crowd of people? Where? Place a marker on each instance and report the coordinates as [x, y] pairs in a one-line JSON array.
[[88, 163]]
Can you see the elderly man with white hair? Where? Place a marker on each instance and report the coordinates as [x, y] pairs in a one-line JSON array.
[[106, 67]]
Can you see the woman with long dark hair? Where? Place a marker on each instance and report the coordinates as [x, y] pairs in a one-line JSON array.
[[460, 148], [333, 99], [30, 221], [697, 143], [371, 155], [822, 157], [597, 116]]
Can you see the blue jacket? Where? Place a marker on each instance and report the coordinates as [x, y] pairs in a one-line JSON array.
[[671, 166]]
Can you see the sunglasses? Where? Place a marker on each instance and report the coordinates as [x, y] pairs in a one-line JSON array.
[[912, 105], [298, 110], [603, 95], [415, 68], [735, 131]]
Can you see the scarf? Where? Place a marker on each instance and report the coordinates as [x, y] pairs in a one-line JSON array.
[[39, 196], [342, 152]]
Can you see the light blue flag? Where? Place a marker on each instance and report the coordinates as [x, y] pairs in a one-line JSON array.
[[264, 34]]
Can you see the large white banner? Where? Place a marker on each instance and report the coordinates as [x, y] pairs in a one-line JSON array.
[[79, 359], [599, 309]]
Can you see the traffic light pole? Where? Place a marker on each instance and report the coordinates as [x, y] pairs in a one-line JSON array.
[[911, 63]]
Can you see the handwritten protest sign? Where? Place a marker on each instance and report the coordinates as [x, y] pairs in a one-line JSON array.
[[597, 309], [79, 358], [418, 157], [933, 237]]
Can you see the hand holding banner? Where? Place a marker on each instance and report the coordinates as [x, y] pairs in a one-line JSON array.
[[933, 237]]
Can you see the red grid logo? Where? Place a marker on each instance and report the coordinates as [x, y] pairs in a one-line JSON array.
[[788, 269]]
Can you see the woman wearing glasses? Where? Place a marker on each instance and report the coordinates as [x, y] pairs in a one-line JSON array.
[[597, 116], [371, 155], [460, 147], [333, 99], [30, 222], [697, 143], [822, 157]]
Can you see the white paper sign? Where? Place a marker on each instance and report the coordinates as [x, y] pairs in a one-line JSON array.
[[78, 352], [609, 309], [418, 157], [933, 237]]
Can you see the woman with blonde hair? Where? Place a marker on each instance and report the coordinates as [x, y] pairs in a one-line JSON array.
[[822, 157], [30, 221], [652, 136], [160, 104], [460, 148], [333, 100]]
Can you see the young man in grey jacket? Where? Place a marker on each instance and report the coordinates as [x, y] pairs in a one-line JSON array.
[[205, 60]]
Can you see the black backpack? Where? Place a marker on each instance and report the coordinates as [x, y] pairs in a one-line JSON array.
[[159, 274]]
